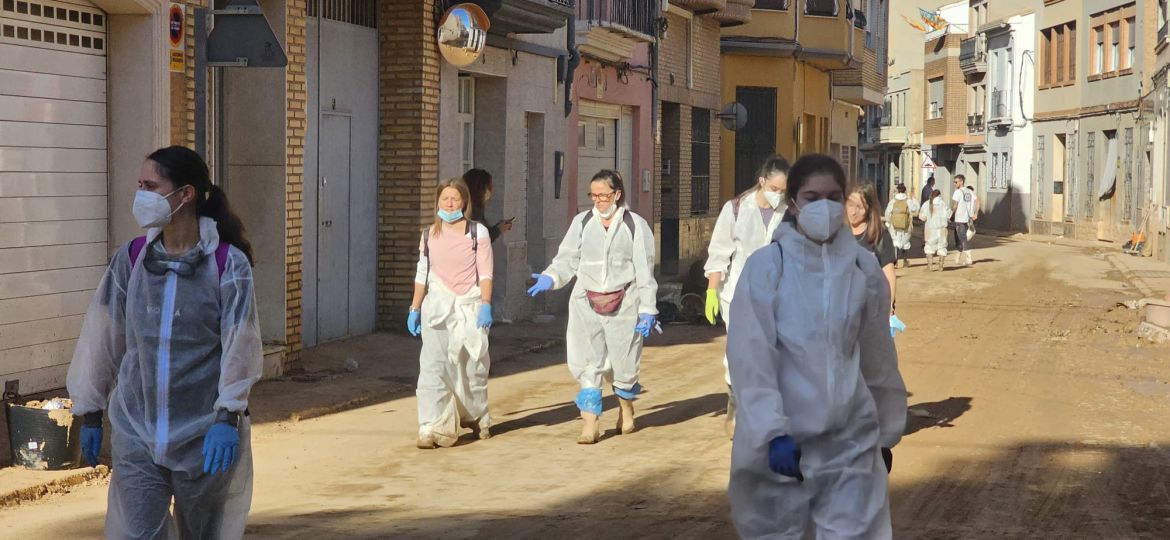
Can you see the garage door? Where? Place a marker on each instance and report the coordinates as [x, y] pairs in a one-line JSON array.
[[604, 141], [53, 185]]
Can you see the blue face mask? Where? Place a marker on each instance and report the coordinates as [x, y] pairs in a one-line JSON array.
[[450, 217]]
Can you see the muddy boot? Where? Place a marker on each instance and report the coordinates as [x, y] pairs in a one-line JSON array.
[[970, 257], [426, 441], [482, 429], [729, 420], [930, 263], [591, 431], [625, 423]]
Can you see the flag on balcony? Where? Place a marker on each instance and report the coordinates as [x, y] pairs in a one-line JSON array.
[[932, 19], [913, 24]]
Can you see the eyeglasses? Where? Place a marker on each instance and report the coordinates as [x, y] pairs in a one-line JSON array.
[[603, 196]]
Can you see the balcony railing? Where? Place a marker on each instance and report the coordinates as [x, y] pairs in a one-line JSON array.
[[1000, 106], [972, 57], [636, 15], [1162, 32]]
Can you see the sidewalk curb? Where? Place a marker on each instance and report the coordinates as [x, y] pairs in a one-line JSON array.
[[359, 402], [33, 493], [1129, 275]]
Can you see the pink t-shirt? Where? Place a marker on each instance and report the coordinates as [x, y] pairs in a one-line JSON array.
[[452, 260]]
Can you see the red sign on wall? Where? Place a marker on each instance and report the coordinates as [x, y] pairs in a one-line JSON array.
[[176, 37]]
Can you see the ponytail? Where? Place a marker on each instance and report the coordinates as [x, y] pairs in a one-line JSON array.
[[229, 225], [183, 167]]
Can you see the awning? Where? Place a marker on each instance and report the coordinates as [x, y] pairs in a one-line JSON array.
[[1109, 176]]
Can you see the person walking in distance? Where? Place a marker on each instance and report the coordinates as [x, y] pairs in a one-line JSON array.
[[745, 224], [900, 219], [964, 211], [822, 401], [935, 214], [927, 190], [609, 251]]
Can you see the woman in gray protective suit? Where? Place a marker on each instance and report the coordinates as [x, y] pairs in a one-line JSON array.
[[170, 349]]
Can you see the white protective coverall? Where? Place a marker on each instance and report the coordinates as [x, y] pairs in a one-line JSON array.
[[601, 347], [732, 240], [935, 213], [811, 357], [161, 353], [901, 238], [454, 363]]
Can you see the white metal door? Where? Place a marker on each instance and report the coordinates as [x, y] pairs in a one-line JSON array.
[[333, 229], [53, 183]]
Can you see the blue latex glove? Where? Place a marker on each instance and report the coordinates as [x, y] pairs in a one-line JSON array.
[[414, 323], [91, 444], [784, 457], [543, 283], [645, 325], [220, 447], [896, 325], [485, 316]]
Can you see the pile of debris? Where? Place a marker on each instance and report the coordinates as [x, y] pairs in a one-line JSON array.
[[1155, 325]]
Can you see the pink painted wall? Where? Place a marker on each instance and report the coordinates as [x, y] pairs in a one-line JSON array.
[[634, 91]]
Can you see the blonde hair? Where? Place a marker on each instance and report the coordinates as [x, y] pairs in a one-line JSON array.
[[464, 192]]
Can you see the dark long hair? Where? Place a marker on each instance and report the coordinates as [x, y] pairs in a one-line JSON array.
[[613, 179], [183, 167], [873, 214], [479, 182], [810, 165]]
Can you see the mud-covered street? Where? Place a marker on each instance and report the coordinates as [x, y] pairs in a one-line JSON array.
[[1036, 413]]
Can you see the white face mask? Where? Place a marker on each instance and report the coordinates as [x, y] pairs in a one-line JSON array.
[[773, 198], [820, 220], [152, 210], [608, 213]]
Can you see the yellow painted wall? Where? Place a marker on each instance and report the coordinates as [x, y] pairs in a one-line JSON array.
[[827, 33], [764, 23], [800, 89]]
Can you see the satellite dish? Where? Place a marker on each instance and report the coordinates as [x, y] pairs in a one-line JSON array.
[[733, 116], [462, 34]]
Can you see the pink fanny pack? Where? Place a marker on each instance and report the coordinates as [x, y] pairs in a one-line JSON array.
[[605, 303]]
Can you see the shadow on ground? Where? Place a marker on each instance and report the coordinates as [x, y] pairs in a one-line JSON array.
[[1040, 490], [936, 414]]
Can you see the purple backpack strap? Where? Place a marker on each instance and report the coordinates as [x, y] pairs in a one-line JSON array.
[[221, 253], [136, 246], [221, 257]]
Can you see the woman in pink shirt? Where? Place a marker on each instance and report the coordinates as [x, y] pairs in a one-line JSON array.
[[452, 311]]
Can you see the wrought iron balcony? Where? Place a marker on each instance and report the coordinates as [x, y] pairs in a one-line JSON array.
[[523, 16], [972, 56], [633, 18]]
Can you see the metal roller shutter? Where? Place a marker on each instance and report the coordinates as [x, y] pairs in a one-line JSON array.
[[53, 182]]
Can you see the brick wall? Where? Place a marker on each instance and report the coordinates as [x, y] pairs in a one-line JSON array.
[[296, 98], [408, 145]]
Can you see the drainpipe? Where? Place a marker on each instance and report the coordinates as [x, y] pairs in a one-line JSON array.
[[571, 62], [654, 50]]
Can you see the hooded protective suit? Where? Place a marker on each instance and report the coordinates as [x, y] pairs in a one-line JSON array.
[[811, 357], [901, 238], [603, 347], [733, 239], [935, 213], [161, 353]]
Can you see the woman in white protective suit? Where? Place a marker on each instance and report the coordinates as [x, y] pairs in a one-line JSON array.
[[610, 252], [813, 364], [452, 309], [936, 213], [170, 349], [745, 224]]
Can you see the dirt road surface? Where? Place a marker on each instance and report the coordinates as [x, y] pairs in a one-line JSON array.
[[1035, 414]]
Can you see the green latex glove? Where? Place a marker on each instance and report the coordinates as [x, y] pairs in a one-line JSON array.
[[712, 305]]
